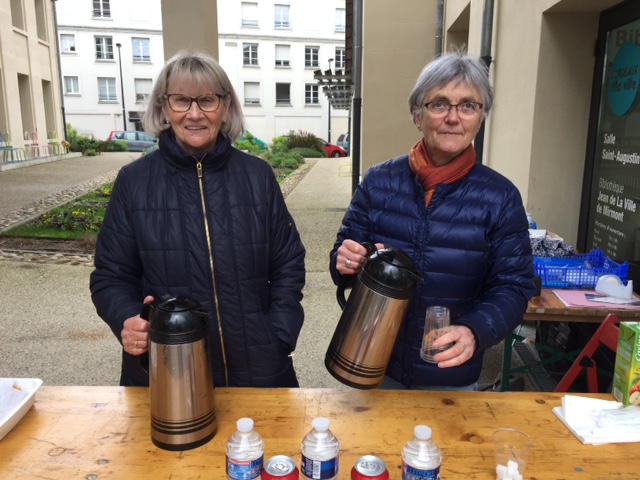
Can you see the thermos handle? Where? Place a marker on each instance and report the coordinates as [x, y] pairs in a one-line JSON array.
[[145, 314], [346, 282]]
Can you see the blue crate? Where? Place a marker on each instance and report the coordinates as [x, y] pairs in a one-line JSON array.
[[577, 271]]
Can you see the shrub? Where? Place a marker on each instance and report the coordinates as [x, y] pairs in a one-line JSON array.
[[308, 152], [280, 145], [90, 152], [302, 139], [248, 143]]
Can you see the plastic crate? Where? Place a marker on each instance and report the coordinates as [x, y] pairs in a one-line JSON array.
[[577, 271]]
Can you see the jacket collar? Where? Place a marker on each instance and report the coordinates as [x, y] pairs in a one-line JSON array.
[[176, 155]]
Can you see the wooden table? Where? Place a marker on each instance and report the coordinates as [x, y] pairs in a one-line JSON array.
[[101, 433], [549, 308]]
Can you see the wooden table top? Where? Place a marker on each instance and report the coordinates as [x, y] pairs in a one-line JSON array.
[[548, 307], [101, 433]]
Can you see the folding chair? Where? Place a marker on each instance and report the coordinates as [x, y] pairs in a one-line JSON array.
[[607, 335], [39, 150], [55, 146], [9, 152]]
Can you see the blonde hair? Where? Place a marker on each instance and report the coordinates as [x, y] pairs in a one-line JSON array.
[[202, 70]]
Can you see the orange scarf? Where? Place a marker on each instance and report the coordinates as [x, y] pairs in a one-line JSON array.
[[431, 176]]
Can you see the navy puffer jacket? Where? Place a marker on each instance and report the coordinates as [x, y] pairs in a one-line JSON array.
[[472, 246], [154, 242]]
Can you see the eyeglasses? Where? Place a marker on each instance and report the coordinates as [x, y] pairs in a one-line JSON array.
[[182, 103], [440, 107]]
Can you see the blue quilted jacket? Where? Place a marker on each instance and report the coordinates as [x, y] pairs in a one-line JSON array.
[[472, 246], [154, 242]]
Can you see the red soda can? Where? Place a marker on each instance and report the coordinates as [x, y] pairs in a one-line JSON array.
[[280, 467], [369, 467]]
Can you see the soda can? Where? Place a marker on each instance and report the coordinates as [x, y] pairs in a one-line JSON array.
[[280, 467], [369, 467]]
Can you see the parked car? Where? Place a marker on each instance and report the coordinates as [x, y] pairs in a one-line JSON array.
[[343, 141], [136, 141], [332, 150]]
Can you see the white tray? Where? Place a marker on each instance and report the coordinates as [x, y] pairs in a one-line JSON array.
[[29, 385]]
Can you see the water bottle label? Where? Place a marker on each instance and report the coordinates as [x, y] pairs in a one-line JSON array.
[[317, 469], [410, 473], [243, 469]]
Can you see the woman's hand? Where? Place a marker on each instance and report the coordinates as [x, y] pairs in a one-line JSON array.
[[351, 257], [464, 345], [135, 333]]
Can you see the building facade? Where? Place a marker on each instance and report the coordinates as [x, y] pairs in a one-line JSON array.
[[558, 76], [111, 52], [29, 75], [271, 52]]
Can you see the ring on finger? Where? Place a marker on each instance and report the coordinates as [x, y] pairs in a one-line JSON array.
[[135, 344], [348, 263], [464, 346]]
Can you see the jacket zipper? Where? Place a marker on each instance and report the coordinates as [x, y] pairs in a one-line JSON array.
[[213, 275]]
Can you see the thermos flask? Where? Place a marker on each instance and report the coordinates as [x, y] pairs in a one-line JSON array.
[[181, 390], [363, 339]]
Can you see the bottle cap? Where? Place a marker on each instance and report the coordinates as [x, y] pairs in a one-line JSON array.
[[422, 432], [321, 424], [245, 425]]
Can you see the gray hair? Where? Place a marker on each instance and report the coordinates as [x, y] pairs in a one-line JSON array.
[[203, 71], [452, 66]]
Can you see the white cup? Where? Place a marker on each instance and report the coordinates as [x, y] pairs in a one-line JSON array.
[[437, 323]]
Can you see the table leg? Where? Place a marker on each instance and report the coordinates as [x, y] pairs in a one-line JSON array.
[[506, 362]]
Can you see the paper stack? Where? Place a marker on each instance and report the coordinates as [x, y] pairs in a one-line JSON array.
[[598, 422]]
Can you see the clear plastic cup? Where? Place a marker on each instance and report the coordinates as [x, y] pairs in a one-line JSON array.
[[512, 449], [437, 323]]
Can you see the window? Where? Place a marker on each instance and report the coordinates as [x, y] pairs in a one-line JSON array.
[[101, 9], [140, 47], [250, 54], [311, 55], [341, 20], [283, 94], [311, 94], [251, 93], [17, 14], [340, 57], [143, 88], [283, 55], [67, 43], [281, 17], [71, 86], [107, 90], [104, 48], [249, 15]]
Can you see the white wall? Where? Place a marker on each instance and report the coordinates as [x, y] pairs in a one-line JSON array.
[[308, 28], [129, 19]]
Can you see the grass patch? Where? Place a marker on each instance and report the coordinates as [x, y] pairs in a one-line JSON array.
[[77, 219]]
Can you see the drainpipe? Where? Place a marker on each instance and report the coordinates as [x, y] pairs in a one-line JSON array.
[[354, 143], [485, 57], [439, 16], [55, 22]]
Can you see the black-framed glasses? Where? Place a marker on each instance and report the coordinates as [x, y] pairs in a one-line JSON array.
[[182, 103], [440, 107]]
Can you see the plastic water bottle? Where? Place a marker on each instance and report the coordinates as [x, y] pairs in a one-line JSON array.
[[245, 452], [421, 457], [320, 452]]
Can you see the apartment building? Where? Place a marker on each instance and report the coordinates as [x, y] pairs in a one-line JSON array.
[[29, 75], [111, 52], [271, 52]]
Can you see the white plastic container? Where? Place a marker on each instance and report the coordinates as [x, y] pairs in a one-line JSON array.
[[13, 416], [421, 457], [245, 452], [320, 452]]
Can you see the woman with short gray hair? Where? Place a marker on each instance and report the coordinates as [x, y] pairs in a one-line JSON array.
[[462, 224]]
